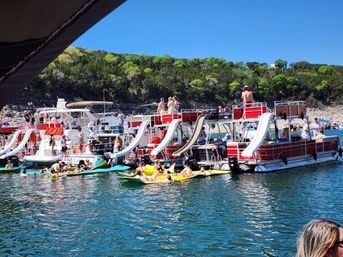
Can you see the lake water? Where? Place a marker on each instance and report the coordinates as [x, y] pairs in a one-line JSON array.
[[230, 215]]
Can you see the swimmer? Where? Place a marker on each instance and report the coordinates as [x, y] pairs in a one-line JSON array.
[[187, 171]]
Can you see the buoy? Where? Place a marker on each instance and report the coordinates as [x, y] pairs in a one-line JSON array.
[[314, 154]]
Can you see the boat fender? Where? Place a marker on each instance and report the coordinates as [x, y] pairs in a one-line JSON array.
[[284, 158], [284, 116], [314, 154], [340, 152]]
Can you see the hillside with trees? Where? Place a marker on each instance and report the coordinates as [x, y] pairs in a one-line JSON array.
[[80, 74]]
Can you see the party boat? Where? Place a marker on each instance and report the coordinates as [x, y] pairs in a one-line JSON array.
[[266, 150]]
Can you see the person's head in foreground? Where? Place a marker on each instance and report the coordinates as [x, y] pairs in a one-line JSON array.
[[321, 238]]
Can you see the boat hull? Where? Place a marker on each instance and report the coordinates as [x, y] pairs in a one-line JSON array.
[[293, 163]]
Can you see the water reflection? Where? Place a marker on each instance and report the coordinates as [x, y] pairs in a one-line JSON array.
[[258, 214]]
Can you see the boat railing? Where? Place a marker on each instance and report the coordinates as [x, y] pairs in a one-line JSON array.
[[290, 109], [249, 110]]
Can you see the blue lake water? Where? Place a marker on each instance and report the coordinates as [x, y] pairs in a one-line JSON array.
[[230, 215]]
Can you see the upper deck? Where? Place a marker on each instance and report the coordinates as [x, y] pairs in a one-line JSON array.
[[164, 119]]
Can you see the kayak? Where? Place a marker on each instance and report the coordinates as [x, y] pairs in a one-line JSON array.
[[88, 172], [150, 169], [120, 167], [211, 173], [13, 170], [162, 178]]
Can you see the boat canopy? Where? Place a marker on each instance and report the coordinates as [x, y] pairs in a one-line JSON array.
[[66, 111], [34, 33], [88, 103]]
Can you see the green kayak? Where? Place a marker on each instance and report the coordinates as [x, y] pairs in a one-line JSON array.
[[88, 172], [13, 170]]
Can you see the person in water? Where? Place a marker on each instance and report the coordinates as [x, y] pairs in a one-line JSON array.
[[159, 167], [88, 164], [146, 179], [187, 171], [9, 164], [81, 166], [321, 238], [57, 167]]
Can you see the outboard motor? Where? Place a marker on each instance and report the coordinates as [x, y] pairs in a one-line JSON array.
[[191, 161], [233, 164]]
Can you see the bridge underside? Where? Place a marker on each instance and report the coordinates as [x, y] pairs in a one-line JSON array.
[[33, 33]]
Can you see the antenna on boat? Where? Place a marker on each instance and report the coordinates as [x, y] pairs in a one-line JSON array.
[[103, 97]]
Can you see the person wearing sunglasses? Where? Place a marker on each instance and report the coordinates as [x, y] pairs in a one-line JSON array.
[[321, 238]]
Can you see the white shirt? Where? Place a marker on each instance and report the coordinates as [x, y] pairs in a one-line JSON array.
[[305, 132]]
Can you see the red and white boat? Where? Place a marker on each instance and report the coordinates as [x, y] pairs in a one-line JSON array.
[[159, 136], [266, 151]]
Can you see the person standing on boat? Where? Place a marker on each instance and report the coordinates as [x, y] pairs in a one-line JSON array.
[[171, 105], [176, 103], [81, 139], [316, 127], [247, 96], [202, 136], [122, 117], [161, 109], [52, 143], [64, 147], [305, 132], [117, 144]]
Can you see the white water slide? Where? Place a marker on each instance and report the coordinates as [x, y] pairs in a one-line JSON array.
[[262, 130], [135, 142], [11, 143], [20, 146], [169, 136], [197, 129]]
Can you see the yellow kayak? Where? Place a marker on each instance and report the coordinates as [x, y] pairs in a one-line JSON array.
[[163, 178], [150, 169]]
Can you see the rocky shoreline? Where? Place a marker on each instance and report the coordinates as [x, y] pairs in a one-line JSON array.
[[333, 113]]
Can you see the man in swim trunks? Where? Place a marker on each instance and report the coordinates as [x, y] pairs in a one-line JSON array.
[[247, 96]]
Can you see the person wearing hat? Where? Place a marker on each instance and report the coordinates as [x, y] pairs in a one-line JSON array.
[[247, 99], [247, 96]]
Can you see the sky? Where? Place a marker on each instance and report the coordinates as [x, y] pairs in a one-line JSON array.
[[235, 30]]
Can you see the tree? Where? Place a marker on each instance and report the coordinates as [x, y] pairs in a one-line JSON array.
[[280, 64]]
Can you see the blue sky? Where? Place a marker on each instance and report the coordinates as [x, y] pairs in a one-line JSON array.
[[240, 30]]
